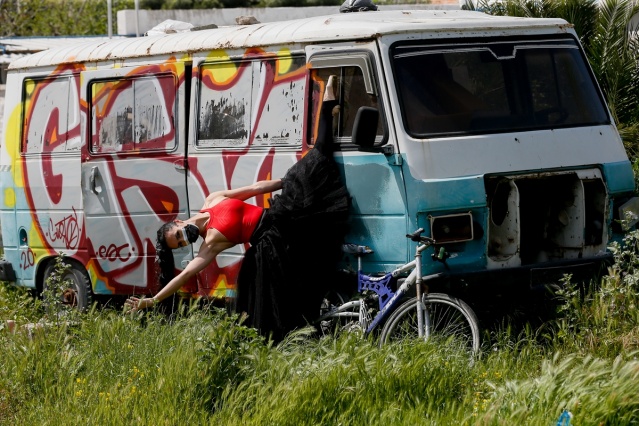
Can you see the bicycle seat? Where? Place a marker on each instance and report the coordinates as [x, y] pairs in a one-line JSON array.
[[419, 238], [351, 248]]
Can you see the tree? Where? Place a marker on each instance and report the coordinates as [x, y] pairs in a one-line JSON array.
[[56, 17]]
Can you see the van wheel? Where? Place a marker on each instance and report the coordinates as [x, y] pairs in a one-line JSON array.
[[75, 288]]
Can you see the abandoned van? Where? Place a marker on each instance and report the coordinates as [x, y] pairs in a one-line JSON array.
[[492, 135]]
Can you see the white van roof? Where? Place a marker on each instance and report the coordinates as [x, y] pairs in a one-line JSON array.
[[339, 27]]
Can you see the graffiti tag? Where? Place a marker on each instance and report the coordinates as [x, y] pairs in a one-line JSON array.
[[66, 230], [27, 259], [113, 253]]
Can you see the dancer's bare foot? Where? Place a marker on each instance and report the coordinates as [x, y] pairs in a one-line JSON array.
[[329, 91]]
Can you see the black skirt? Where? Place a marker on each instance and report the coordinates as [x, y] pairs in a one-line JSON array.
[[295, 248]]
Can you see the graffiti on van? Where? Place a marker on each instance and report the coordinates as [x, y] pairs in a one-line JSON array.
[[67, 230], [132, 116], [114, 253]]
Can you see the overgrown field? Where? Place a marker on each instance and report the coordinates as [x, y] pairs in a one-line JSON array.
[[107, 367]]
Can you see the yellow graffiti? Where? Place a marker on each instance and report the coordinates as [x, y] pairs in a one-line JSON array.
[[220, 73], [219, 55], [285, 61], [9, 198], [37, 242], [39, 253], [95, 277], [29, 87], [12, 140], [219, 288]]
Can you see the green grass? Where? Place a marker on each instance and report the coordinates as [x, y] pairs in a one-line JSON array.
[[205, 368]]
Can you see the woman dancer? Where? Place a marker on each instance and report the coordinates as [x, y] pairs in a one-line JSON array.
[[293, 243]]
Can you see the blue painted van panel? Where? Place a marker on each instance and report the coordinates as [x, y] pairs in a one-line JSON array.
[[619, 177], [378, 217]]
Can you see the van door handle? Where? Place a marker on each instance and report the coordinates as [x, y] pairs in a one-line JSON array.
[[180, 165], [92, 177]]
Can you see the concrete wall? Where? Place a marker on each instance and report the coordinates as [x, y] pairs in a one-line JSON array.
[[147, 19]]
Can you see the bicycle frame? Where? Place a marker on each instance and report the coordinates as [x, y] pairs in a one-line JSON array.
[[379, 285]]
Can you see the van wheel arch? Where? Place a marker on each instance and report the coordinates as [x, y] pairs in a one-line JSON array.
[[79, 294]]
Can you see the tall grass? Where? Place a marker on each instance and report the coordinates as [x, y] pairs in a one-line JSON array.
[[203, 367]]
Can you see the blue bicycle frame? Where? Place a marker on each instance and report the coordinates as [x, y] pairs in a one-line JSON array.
[[381, 286]]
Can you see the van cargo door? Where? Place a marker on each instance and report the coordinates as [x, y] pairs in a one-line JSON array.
[[133, 171]]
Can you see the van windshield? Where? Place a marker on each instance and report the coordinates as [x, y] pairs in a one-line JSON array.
[[492, 87]]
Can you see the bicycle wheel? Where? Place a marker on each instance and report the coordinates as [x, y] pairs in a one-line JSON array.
[[332, 300], [445, 318]]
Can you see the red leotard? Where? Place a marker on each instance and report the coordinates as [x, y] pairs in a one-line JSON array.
[[235, 219]]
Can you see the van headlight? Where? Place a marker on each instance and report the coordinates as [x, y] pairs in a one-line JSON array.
[[452, 228]]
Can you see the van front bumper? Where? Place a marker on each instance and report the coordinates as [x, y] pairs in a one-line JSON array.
[[6, 271]]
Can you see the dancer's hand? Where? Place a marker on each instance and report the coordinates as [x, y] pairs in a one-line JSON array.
[[134, 304]]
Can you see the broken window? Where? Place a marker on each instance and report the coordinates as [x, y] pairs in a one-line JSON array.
[[133, 114], [256, 103]]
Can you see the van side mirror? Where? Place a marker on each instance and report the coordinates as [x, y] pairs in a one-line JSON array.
[[365, 127]]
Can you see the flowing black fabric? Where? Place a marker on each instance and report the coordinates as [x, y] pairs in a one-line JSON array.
[[296, 246]]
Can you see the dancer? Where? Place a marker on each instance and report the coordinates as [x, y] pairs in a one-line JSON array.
[[293, 243]]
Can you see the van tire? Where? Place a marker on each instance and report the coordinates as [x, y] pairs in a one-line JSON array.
[[78, 293]]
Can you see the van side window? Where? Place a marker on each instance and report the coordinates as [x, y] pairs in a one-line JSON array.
[[225, 104], [133, 114], [52, 118], [256, 103], [350, 93]]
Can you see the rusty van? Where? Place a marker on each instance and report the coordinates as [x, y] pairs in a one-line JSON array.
[[493, 135]]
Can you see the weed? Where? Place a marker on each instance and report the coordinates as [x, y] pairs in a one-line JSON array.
[[204, 367], [54, 289]]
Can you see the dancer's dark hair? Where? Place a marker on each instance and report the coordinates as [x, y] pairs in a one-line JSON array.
[[164, 255]]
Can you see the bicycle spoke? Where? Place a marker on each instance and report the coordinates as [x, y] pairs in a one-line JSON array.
[[447, 320]]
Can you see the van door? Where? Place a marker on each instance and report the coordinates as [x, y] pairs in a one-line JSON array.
[[373, 177], [133, 171]]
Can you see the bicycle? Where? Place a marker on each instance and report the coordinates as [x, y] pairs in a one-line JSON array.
[[426, 316]]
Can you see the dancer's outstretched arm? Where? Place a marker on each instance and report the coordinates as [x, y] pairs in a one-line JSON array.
[[245, 192]]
